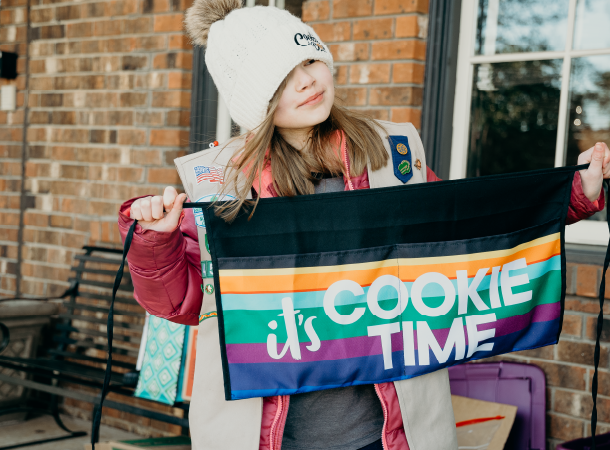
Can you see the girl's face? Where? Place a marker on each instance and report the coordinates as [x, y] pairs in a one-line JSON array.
[[307, 98]]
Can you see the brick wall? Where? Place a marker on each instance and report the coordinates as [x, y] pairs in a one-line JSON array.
[[12, 39], [109, 100], [109, 107], [379, 50]]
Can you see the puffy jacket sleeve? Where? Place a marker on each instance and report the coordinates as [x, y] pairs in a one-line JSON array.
[[165, 268], [580, 206]]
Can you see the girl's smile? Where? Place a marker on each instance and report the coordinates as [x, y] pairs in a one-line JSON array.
[[313, 100]]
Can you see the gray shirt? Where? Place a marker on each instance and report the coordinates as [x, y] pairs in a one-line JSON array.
[[345, 418]]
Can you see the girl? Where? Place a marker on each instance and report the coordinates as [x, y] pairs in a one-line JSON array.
[[276, 77]]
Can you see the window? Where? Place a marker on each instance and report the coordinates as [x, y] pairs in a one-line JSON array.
[[532, 90]]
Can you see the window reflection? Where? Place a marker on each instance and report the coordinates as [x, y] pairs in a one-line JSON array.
[[591, 27], [589, 115], [514, 115], [511, 26]]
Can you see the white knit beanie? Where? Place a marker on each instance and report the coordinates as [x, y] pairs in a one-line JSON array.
[[250, 51]]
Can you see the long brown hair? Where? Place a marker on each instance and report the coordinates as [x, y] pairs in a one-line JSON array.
[[291, 168]]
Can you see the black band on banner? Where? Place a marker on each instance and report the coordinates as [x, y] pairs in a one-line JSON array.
[[569, 168]]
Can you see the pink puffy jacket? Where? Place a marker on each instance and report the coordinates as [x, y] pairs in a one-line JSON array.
[[166, 272]]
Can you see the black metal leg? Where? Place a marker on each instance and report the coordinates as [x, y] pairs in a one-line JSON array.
[[53, 412], [95, 430]]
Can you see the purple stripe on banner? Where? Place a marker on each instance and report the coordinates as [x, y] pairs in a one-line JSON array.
[[265, 380], [366, 346], [330, 350]]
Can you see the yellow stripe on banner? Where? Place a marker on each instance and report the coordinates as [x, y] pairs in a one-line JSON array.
[[321, 277], [307, 270], [535, 251], [551, 238]]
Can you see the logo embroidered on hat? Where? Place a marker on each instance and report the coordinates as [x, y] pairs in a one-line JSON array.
[[307, 39]]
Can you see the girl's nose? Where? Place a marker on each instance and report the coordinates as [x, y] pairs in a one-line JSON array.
[[303, 80]]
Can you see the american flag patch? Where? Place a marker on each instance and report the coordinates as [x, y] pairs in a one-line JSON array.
[[209, 174]]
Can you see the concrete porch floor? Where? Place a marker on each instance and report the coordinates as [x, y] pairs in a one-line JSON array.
[[44, 427]]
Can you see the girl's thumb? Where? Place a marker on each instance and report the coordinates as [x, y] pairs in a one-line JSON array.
[[173, 215], [597, 157]]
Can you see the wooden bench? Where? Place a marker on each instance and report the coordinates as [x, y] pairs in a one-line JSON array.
[[77, 354]]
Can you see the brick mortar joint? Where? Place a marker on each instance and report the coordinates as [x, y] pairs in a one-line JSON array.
[[380, 41], [587, 421], [371, 17], [87, 127], [67, 40], [577, 391], [72, 3], [558, 361]]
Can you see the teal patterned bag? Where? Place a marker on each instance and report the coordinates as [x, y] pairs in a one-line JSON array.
[[160, 371]]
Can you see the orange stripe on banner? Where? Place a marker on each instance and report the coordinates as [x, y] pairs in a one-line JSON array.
[[300, 282], [265, 281]]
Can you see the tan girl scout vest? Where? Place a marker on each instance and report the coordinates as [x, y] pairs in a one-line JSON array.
[[217, 424]]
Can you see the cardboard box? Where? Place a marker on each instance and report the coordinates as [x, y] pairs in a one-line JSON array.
[[482, 425]]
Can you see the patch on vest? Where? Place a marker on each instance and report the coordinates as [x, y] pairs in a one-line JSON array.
[[401, 157], [202, 317], [210, 174], [198, 213], [206, 269]]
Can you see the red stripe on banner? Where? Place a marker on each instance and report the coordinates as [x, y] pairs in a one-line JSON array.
[[473, 421]]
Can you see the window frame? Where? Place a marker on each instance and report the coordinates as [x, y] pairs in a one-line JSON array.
[[583, 232], [439, 83], [204, 99]]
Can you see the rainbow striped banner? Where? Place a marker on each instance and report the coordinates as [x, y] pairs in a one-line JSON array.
[[301, 321]]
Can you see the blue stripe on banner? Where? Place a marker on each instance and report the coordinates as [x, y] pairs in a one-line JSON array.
[[315, 299], [252, 380]]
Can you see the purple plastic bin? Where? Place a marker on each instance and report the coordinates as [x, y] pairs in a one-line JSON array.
[[521, 385], [602, 442]]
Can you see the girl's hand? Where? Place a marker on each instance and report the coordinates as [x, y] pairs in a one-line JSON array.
[[592, 178], [159, 213]]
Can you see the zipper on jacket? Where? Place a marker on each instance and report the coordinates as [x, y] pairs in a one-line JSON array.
[[384, 444], [346, 162], [276, 420]]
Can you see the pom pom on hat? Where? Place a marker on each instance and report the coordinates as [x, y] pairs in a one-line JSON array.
[[200, 17], [249, 51]]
